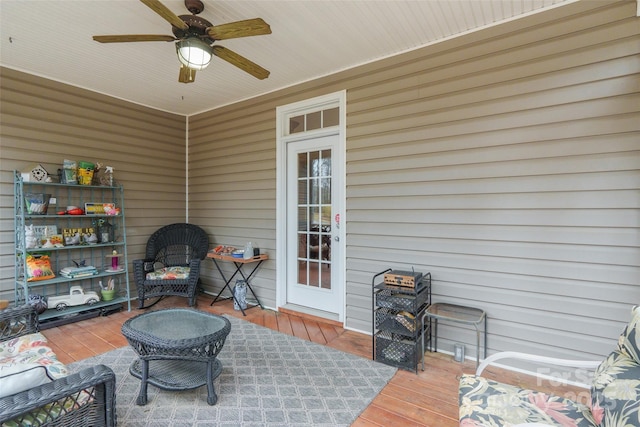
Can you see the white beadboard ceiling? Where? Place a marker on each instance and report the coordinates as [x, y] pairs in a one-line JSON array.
[[310, 39]]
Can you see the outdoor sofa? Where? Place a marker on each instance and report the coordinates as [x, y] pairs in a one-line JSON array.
[[37, 389], [614, 392]]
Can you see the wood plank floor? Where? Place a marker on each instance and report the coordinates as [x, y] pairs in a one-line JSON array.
[[429, 398]]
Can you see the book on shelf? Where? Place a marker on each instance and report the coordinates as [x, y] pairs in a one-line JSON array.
[[75, 272]]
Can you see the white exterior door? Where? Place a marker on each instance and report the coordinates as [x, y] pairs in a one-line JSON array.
[[311, 276], [310, 202]]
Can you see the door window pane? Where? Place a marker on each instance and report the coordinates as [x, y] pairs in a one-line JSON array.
[[314, 163], [302, 165], [302, 219], [314, 121], [314, 184], [330, 117], [325, 191], [314, 274], [302, 191], [296, 124], [302, 273]]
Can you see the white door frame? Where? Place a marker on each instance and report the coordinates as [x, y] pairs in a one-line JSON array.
[[336, 99]]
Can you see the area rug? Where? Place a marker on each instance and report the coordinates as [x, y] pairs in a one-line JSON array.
[[268, 379]]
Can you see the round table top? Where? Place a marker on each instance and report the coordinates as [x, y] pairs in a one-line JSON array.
[[175, 326]]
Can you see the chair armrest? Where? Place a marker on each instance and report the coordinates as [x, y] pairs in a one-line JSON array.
[[584, 364], [141, 268], [194, 269], [18, 321], [101, 405]]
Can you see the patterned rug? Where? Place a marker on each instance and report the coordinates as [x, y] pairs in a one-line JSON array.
[[268, 379]]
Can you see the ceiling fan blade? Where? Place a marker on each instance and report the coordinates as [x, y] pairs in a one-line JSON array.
[[166, 13], [232, 30], [187, 75], [240, 62], [123, 38]]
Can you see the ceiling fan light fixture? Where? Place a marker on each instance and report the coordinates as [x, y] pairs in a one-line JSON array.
[[194, 53]]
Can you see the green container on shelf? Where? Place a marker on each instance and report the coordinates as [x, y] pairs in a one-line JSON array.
[[85, 173], [108, 295]]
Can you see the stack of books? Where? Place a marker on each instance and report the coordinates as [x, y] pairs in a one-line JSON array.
[[75, 272]]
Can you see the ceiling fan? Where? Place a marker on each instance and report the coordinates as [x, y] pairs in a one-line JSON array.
[[195, 39]]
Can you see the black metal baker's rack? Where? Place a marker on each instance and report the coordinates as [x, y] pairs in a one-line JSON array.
[[398, 331]]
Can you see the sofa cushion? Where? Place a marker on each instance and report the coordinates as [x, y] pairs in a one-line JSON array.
[[485, 402], [169, 273], [629, 341], [14, 346], [31, 349], [17, 377], [615, 393]]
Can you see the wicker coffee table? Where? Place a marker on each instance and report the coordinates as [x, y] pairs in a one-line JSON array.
[[177, 349]]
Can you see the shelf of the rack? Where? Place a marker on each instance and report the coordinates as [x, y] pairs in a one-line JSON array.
[[53, 313], [55, 216], [62, 279], [57, 184], [71, 247]]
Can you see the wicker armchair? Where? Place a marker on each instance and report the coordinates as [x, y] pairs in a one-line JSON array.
[[86, 398], [177, 245]]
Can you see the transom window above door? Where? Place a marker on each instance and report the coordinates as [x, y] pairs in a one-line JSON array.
[[314, 120]]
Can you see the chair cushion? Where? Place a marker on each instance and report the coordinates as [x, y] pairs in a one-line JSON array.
[[485, 402], [615, 393], [169, 273]]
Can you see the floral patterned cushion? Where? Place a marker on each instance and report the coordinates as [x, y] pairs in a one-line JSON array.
[[20, 359], [169, 273], [615, 393], [629, 341], [485, 402], [32, 348], [14, 346]]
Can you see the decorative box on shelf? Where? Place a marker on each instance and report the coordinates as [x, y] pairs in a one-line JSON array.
[[408, 279]]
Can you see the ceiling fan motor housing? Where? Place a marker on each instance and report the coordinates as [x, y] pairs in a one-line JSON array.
[[197, 28]]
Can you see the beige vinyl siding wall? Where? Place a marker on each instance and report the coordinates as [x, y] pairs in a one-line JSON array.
[[506, 162], [232, 187], [509, 168], [45, 122]]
